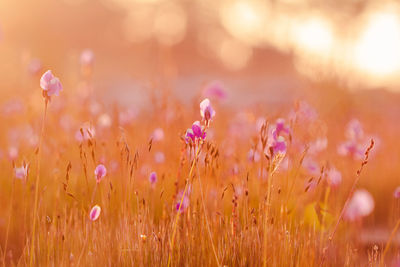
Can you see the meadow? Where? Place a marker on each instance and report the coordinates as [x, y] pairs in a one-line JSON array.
[[197, 183]]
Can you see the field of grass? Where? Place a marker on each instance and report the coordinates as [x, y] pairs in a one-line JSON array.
[[83, 183]]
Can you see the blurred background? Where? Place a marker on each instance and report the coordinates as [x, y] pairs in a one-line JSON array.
[[287, 48]]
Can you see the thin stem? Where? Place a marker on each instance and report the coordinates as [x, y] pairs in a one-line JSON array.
[[353, 188], [382, 263], [180, 205], [205, 215], [37, 183], [9, 222]]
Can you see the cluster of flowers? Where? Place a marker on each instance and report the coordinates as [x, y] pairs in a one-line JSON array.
[[197, 133]]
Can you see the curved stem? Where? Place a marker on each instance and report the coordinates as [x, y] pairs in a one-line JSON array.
[[37, 183], [382, 263], [180, 205]]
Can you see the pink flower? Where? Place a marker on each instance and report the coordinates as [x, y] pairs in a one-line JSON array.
[[13, 153], [206, 110], [351, 148], [158, 135], [397, 192], [21, 172], [280, 128], [360, 205], [215, 90], [153, 178], [333, 177], [279, 146], [100, 172], [197, 132], [311, 166], [50, 84], [185, 203], [354, 130], [303, 112], [87, 57], [95, 213]]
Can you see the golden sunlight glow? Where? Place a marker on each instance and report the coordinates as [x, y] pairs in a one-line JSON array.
[[378, 50], [245, 20], [170, 24], [313, 36]]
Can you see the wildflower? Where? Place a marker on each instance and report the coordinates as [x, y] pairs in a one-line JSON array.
[[360, 205], [215, 90], [206, 110], [95, 213], [87, 57], [189, 136], [13, 153], [158, 135], [50, 84], [100, 172], [354, 130], [21, 172], [280, 128], [303, 112], [153, 178], [279, 146], [197, 132], [185, 202], [333, 177], [351, 148], [397, 192], [311, 166]]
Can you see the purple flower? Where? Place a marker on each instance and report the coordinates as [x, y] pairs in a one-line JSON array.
[[100, 172], [197, 132], [279, 146], [280, 128], [94, 213], [21, 172], [189, 136], [360, 205], [185, 202], [311, 166], [50, 84], [153, 178], [397, 193], [206, 110]]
